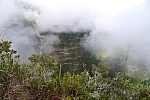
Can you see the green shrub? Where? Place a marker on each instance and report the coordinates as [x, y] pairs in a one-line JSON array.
[[43, 80]]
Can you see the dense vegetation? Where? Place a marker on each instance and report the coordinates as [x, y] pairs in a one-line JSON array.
[[43, 79]]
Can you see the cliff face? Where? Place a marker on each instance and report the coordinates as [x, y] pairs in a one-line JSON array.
[[67, 50]]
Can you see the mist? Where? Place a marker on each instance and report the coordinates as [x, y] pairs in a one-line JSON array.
[[112, 24]]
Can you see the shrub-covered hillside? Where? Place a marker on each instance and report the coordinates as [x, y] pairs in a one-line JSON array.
[[43, 79]]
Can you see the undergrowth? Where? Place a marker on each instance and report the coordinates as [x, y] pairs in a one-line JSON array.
[[43, 80]]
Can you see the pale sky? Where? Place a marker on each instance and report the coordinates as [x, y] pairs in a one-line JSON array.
[[106, 6]]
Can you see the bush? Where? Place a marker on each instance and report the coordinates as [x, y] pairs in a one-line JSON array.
[[43, 80]]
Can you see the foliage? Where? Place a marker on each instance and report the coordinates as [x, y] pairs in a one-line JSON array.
[[43, 80]]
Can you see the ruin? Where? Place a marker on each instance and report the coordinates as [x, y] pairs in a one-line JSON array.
[[68, 51]]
